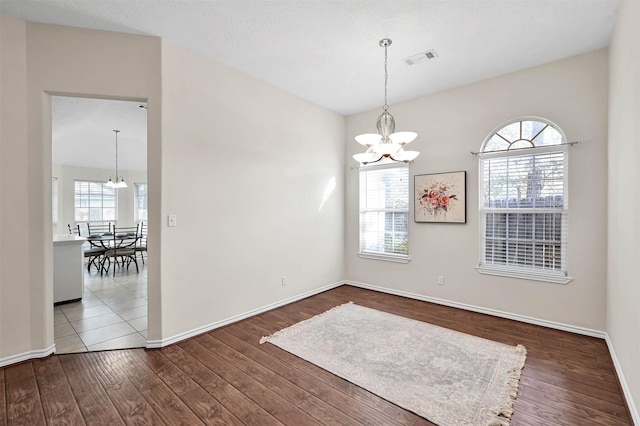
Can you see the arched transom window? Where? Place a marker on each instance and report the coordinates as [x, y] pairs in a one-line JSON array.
[[523, 134], [523, 201]]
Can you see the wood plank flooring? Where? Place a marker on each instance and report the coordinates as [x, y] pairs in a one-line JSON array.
[[225, 377]]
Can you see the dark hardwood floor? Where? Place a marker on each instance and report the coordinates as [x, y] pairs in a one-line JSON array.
[[226, 377]]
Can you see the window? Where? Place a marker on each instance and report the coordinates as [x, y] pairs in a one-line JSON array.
[[54, 205], [384, 212], [523, 202], [140, 202], [94, 202]]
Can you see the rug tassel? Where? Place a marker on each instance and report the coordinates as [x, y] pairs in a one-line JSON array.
[[504, 411], [499, 422]]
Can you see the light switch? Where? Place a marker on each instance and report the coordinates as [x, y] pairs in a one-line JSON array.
[[172, 220]]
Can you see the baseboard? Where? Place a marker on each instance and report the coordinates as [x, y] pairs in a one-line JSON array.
[[25, 356], [235, 318], [494, 312], [635, 416]]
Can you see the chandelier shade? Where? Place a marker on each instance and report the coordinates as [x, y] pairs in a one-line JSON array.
[[387, 143], [119, 182], [386, 149], [403, 138], [368, 139]]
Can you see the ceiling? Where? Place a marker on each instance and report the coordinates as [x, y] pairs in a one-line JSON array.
[[83, 135], [326, 51]]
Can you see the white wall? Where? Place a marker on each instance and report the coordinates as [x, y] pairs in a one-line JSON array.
[[573, 94], [245, 168], [623, 295], [67, 175]]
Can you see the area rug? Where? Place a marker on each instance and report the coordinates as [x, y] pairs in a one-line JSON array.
[[447, 377]]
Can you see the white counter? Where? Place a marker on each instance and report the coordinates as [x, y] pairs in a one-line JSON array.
[[68, 272]]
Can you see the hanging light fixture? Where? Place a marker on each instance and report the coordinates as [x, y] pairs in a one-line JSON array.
[[119, 183], [387, 142]]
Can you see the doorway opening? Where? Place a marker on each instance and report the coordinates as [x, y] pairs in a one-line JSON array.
[[112, 309]]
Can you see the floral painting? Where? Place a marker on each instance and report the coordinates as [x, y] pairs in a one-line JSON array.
[[441, 197]]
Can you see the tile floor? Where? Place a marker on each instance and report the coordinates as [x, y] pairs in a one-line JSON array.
[[111, 315]]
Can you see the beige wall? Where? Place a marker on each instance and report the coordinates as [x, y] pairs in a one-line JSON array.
[[623, 295], [245, 168], [573, 94], [243, 165], [15, 337], [61, 60]]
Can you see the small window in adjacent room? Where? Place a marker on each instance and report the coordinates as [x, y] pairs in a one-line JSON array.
[[384, 212], [523, 201], [140, 202], [54, 206]]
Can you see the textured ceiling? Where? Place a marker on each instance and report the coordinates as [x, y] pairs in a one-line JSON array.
[[326, 51]]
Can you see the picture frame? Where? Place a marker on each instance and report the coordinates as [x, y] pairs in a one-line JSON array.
[[440, 197]]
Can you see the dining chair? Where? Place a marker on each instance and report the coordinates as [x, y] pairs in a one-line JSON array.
[[141, 247], [122, 249], [92, 250], [99, 228]]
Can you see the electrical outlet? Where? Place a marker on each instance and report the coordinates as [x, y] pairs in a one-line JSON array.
[[284, 281], [440, 279]]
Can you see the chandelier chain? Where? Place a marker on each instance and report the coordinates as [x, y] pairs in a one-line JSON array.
[[116, 132], [386, 77]]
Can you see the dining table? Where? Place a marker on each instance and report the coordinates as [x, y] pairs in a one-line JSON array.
[[110, 241]]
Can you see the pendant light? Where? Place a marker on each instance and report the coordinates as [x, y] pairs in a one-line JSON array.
[[119, 183], [387, 143]]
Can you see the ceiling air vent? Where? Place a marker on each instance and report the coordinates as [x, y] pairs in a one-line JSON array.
[[421, 57]]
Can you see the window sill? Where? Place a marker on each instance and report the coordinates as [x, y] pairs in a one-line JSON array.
[[398, 258], [557, 278]]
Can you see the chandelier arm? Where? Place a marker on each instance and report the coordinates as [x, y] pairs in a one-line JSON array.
[[375, 161]]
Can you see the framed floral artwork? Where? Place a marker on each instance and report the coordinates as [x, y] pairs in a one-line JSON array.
[[441, 197]]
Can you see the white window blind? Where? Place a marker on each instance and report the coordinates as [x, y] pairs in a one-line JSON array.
[[384, 211], [523, 202], [140, 202], [94, 202], [524, 212]]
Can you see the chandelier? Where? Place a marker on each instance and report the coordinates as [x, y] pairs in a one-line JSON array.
[[387, 143], [119, 183]]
